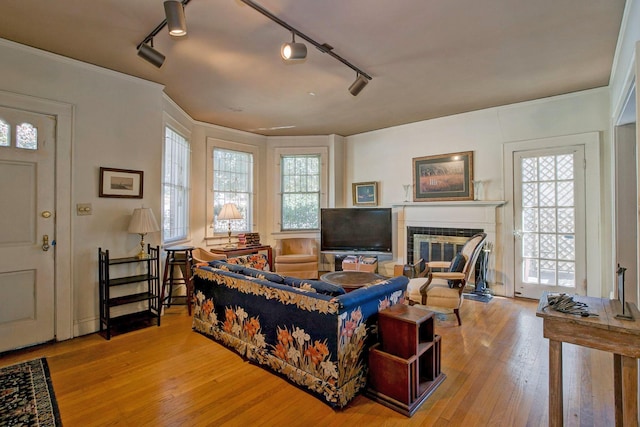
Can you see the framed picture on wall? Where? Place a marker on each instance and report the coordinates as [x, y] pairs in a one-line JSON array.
[[365, 193], [443, 177], [122, 183]]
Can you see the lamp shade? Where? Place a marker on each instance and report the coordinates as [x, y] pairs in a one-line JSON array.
[[229, 211], [143, 221]]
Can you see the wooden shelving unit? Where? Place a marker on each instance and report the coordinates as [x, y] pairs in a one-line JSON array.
[[146, 297], [404, 368]]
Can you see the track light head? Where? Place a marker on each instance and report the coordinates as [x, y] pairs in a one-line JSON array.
[[176, 22], [147, 52], [359, 84], [293, 51]]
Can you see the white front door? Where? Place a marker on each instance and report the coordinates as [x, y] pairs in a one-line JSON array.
[[27, 225], [549, 221]]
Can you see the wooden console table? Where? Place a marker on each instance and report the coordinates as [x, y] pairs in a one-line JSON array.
[[603, 332], [246, 250]]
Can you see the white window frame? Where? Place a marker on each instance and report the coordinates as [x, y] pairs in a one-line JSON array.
[[323, 152], [174, 126], [213, 143]]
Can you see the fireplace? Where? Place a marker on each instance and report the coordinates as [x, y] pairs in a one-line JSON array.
[[436, 244], [460, 219], [441, 244]]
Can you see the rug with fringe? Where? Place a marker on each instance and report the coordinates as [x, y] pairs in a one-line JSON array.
[[26, 395]]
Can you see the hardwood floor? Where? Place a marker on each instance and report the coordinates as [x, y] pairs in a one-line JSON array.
[[496, 365]]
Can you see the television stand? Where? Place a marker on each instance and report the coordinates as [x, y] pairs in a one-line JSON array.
[[335, 258]]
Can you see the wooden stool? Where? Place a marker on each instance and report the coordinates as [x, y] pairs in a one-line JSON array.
[[181, 257]]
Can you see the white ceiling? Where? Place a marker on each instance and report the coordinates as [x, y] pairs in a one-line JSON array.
[[428, 58]]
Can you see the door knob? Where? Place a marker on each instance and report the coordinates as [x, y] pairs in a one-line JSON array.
[[45, 242], [46, 214]]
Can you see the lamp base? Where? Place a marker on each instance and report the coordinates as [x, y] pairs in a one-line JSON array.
[[230, 246], [142, 254]]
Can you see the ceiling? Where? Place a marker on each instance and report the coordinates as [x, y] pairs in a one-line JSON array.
[[427, 58]]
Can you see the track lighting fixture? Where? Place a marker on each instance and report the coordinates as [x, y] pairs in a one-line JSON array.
[[362, 79], [359, 84], [174, 10], [293, 51], [147, 52]]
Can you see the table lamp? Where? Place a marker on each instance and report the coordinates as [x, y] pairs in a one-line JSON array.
[[229, 212], [143, 222]]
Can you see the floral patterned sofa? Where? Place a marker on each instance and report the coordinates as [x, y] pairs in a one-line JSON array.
[[310, 332]]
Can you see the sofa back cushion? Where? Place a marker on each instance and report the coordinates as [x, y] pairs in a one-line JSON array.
[[314, 285], [225, 266], [261, 274], [257, 261]]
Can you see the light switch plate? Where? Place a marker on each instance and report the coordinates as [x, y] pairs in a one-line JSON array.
[[84, 209]]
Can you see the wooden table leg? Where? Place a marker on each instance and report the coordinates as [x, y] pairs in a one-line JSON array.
[[617, 388], [556, 410], [629, 376]]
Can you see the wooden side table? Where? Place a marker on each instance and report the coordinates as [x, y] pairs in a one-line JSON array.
[[404, 368], [246, 250], [603, 332]]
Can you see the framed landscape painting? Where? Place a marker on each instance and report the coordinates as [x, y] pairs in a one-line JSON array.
[[443, 177], [365, 193], [121, 183]]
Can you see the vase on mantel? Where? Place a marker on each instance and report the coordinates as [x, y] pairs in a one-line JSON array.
[[477, 190], [407, 188]]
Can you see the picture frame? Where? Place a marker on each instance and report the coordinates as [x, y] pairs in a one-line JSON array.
[[121, 183], [443, 177], [365, 193]]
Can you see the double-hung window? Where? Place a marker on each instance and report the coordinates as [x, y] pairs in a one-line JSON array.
[[232, 183], [300, 186], [175, 187], [302, 178]]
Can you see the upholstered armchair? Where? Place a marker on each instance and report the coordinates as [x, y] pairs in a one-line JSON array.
[[443, 289], [297, 257], [202, 256]]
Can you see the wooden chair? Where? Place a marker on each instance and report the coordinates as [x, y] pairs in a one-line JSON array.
[[297, 257], [443, 289]]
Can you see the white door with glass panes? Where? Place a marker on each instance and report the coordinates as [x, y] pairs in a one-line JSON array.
[[27, 225], [549, 221]]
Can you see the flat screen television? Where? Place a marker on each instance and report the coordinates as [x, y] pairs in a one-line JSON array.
[[356, 229]]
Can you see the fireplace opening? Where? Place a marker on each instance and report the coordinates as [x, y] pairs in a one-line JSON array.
[[441, 244]]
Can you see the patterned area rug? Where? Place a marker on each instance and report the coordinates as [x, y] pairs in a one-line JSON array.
[[26, 395]]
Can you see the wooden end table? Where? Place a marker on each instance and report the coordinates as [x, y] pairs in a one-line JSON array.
[[603, 332], [404, 368]]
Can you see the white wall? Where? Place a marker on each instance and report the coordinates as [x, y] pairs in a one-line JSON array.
[[117, 123], [199, 221], [386, 155]]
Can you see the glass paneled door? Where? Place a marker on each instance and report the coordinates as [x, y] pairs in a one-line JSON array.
[[549, 221]]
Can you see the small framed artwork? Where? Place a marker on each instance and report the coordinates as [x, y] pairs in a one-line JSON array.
[[443, 177], [365, 193], [121, 183]]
